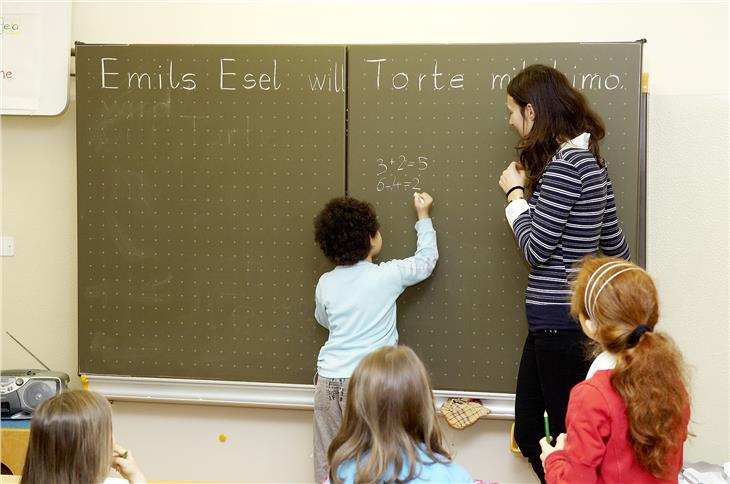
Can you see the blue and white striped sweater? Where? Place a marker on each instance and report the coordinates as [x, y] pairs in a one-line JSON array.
[[572, 213]]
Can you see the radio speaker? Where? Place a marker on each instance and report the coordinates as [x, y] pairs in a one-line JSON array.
[[21, 391]]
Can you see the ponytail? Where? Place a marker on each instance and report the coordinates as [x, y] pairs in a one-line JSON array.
[[650, 379], [621, 300]]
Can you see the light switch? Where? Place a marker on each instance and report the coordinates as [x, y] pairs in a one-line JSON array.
[[7, 246]]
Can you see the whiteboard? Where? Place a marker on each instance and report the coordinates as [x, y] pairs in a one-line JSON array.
[[35, 40]]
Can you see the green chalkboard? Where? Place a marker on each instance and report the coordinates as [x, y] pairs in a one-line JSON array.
[[199, 171], [434, 117], [201, 167]]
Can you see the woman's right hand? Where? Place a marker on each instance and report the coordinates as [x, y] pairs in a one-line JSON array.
[[513, 176], [123, 462]]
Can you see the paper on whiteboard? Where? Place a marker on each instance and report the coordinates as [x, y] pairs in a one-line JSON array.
[[20, 61]]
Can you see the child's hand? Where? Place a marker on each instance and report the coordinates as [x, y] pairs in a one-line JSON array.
[[124, 464], [548, 449], [422, 202]]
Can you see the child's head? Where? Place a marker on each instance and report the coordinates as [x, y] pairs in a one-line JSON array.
[[389, 413], [70, 440], [614, 300], [347, 231], [617, 305]]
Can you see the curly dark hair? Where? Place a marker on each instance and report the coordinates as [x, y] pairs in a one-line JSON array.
[[343, 230]]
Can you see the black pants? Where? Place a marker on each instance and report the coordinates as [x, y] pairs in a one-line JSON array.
[[553, 361]]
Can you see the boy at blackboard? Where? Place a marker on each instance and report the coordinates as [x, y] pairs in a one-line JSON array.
[[356, 301]]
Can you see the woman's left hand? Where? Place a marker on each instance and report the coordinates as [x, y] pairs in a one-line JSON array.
[[513, 176], [548, 449]]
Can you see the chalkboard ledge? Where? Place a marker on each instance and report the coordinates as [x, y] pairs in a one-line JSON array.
[[252, 394]]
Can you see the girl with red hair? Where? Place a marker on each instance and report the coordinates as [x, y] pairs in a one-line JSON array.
[[628, 421]]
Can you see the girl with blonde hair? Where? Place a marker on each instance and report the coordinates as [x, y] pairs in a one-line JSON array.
[[71, 442], [390, 432], [628, 421]]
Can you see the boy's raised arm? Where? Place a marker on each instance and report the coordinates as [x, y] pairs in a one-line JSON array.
[[417, 268]]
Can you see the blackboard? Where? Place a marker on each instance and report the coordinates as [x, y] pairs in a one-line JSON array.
[[195, 208], [435, 116], [196, 257]]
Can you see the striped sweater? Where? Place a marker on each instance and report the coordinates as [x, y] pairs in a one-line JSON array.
[[570, 214]]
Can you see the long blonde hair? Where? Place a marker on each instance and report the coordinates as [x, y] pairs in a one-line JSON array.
[[70, 440], [389, 415], [650, 377]]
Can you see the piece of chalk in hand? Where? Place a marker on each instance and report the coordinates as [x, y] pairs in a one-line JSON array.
[[126, 453]]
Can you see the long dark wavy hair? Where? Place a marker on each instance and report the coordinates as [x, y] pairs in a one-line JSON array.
[[561, 114]]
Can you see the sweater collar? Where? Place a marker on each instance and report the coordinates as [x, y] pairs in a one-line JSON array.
[[604, 361]]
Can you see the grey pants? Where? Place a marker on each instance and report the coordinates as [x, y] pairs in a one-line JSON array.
[[330, 396]]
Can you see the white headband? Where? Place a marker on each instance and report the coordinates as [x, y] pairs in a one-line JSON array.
[[590, 302]]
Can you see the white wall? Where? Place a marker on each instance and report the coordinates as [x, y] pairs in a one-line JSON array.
[[687, 58], [266, 445]]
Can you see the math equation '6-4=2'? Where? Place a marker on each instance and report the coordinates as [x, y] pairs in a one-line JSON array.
[[401, 172]]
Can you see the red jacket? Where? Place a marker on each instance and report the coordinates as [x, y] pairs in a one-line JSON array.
[[598, 449]]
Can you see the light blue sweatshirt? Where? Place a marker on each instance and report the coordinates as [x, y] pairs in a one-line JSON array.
[[357, 304], [427, 472]]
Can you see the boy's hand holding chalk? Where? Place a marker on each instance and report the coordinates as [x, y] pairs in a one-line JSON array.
[[422, 201]]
